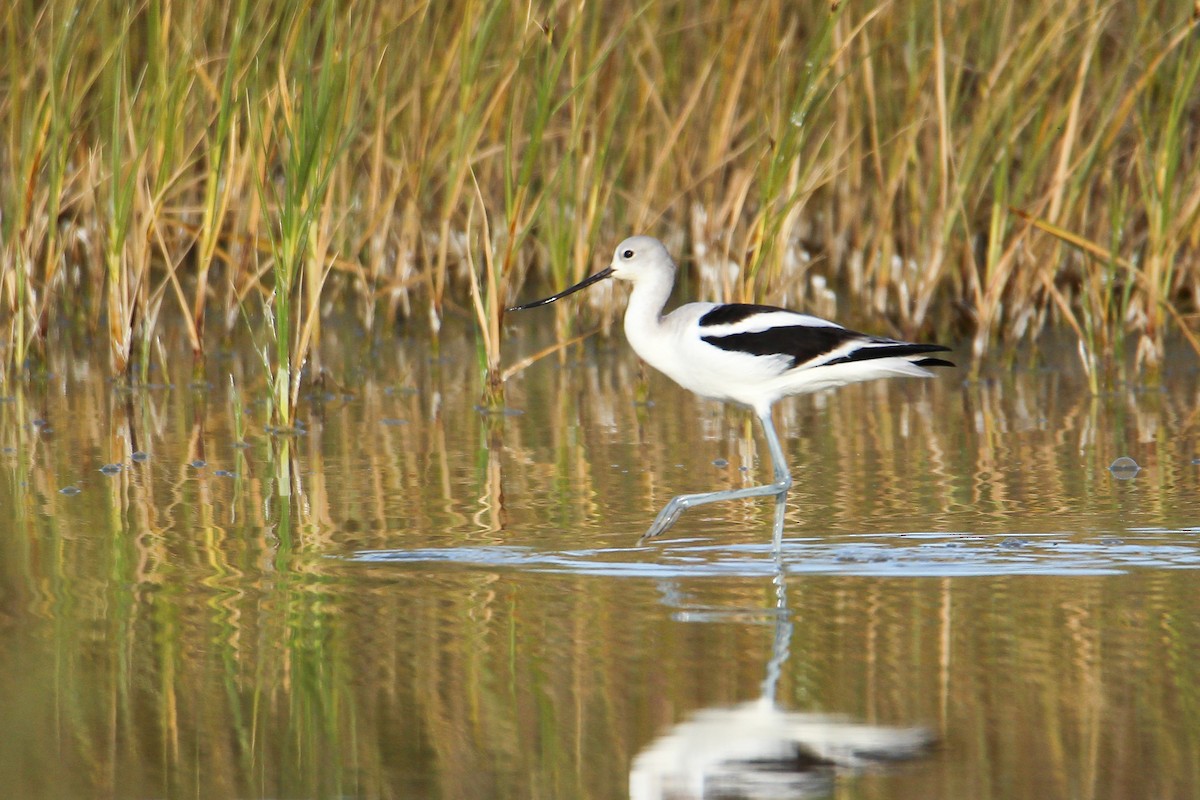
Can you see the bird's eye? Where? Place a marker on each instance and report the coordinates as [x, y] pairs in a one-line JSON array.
[[628, 254]]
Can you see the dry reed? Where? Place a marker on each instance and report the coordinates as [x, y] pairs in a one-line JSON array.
[[978, 171]]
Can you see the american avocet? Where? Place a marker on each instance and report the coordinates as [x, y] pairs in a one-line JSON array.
[[745, 353]]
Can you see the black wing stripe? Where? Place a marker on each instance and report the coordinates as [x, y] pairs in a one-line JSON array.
[[887, 349], [800, 343], [731, 313]]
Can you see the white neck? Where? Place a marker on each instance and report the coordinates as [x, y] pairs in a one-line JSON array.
[[643, 315]]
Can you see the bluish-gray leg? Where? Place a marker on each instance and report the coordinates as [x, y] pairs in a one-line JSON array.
[[777, 528], [778, 488]]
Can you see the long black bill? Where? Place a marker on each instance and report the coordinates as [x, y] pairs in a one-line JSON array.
[[583, 284]]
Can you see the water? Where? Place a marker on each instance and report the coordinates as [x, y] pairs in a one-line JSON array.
[[448, 604]]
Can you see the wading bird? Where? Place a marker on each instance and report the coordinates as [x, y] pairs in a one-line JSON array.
[[744, 353]]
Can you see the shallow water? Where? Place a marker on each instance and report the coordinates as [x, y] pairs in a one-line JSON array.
[[442, 603]]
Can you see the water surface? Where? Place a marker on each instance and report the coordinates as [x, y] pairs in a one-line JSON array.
[[425, 601]]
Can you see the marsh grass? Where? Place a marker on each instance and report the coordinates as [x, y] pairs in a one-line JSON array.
[[314, 107], [974, 171]]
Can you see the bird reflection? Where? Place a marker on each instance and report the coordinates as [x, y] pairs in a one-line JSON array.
[[758, 750]]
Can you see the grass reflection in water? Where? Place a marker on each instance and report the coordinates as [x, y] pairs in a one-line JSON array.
[[456, 606]]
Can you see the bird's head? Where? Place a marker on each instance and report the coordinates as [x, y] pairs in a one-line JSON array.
[[640, 256], [634, 259]]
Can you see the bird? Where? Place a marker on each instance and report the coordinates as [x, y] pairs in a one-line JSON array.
[[745, 353]]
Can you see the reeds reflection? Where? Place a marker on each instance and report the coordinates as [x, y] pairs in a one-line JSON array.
[[184, 628]]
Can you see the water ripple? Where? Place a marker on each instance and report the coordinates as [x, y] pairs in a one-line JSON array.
[[898, 555]]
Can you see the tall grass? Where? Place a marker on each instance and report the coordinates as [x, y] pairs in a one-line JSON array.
[[221, 138], [972, 170], [38, 115], [313, 114], [123, 268]]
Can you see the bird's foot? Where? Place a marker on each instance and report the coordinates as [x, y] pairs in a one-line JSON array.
[[671, 511], [666, 518]]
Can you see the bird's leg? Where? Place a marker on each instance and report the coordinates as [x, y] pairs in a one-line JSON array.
[[783, 481], [783, 477], [777, 527]]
